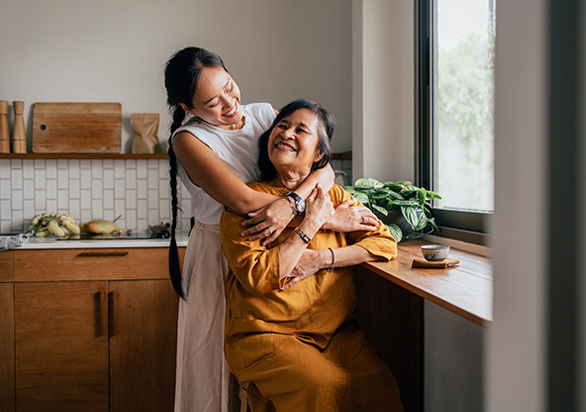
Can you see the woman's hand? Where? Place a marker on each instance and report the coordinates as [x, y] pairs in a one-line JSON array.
[[311, 261], [269, 221], [318, 208], [350, 218]]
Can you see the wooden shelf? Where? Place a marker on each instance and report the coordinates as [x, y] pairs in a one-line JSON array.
[[342, 155], [83, 156]]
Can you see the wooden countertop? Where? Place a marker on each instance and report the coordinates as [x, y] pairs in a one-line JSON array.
[[465, 289]]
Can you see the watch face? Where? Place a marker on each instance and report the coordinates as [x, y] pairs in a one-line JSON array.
[[301, 206]]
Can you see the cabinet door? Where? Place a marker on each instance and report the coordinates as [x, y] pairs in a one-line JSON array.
[[61, 346], [142, 345], [7, 266], [7, 401]]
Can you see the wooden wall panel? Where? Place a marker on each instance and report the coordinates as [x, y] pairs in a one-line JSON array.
[[392, 318]]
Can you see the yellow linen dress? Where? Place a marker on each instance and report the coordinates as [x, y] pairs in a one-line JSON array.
[[301, 347]]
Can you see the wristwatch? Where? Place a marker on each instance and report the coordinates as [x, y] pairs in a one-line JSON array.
[[298, 202]]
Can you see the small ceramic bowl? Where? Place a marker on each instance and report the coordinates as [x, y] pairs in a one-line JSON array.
[[435, 253]]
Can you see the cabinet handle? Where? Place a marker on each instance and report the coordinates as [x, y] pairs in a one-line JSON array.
[[111, 329], [98, 313], [102, 254]]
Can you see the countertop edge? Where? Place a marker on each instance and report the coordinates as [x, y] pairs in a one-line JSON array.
[[51, 243]]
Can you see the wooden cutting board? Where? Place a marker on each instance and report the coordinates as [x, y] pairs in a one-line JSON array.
[[77, 127]]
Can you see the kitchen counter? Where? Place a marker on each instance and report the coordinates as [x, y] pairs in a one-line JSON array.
[[52, 243], [465, 289]]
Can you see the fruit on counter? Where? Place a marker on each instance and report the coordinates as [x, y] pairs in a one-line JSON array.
[[101, 227], [56, 224]]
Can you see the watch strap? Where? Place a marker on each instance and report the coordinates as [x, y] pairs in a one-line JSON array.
[[297, 201], [295, 196]]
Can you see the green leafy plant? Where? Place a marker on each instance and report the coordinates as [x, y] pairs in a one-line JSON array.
[[412, 202]]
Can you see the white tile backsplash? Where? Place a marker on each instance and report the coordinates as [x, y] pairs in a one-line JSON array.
[[5, 209], [62, 178], [87, 189], [16, 180], [40, 202], [137, 189], [4, 169]]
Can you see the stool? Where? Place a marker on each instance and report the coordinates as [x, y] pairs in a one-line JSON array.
[[243, 395], [251, 397]]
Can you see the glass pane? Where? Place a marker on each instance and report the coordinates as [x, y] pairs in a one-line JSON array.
[[463, 89]]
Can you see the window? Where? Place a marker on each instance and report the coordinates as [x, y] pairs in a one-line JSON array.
[[455, 43]]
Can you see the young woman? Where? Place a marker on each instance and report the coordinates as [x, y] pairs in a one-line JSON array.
[[214, 154]]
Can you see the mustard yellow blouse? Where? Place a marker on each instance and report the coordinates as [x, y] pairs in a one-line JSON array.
[[312, 309]]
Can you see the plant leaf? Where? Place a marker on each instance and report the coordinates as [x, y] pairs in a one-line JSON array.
[[395, 187], [432, 222], [368, 183], [422, 195], [412, 203], [396, 231], [415, 217], [380, 209], [433, 195], [395, 195], [361, 197], [409, 193], [379, 194]]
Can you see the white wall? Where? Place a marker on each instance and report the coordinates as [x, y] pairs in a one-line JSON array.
[[110, 50], [383, 89], [515, 356]]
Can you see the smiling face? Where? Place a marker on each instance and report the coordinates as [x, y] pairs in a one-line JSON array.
[[292, 146], [217, 99]]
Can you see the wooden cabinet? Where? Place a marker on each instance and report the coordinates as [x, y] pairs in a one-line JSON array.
[[7, 400], [94, 330], [143, 330], [61, 346], [7, 266]]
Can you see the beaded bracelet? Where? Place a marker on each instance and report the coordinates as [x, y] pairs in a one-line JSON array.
[[331, 268]]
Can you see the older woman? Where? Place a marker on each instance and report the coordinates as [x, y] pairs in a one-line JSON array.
[[289, 324]]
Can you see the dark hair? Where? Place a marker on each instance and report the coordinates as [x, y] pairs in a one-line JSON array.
[[182, 73], [325, 133]]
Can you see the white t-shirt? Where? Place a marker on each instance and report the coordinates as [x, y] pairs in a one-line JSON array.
[[238, 149]]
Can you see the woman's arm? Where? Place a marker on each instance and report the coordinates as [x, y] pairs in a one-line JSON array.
[[365, 246], [319, 210], [324, 177], [271, 214], [206, 170], [312, 261]]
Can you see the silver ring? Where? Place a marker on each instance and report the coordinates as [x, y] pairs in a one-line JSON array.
[[362, 219]]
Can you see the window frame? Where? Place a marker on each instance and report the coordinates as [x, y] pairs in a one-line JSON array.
[[469, 226]]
